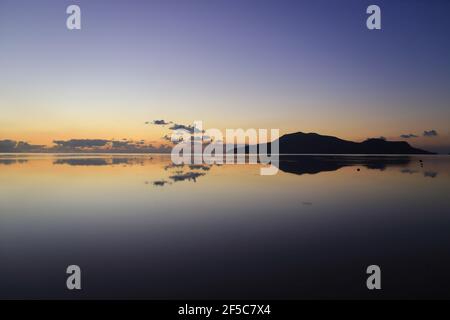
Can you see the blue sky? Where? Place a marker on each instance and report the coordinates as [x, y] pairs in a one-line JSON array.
[[294, 65]]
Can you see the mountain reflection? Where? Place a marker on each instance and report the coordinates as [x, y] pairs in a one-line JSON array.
[[315, 164]]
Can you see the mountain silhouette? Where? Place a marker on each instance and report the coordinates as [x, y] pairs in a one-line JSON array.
[[313, 143]]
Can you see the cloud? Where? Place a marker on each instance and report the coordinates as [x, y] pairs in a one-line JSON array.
[[175, 138], [408, 136], [120, 144], [85, 145], [431, 133], [19, 146], [190, 129], [7, 145], [112, 146], [81, 143], [176, 126], [160, 122]]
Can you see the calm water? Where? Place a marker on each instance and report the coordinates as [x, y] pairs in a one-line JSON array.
[[141, 228]]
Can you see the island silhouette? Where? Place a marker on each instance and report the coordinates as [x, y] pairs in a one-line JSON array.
[[313, 143]]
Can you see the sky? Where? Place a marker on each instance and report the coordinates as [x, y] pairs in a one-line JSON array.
[[309, 66]]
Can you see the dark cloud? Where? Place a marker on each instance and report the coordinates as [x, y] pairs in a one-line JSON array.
[[85, 145], [176, 126], [431, 133], [7, 145], [19, 146], [120, 144], [160, 122], [408, 136], [111, 146], [81, 143], [190, 129]]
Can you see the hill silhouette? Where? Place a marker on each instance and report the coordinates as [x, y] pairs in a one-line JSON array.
[[313, 143]]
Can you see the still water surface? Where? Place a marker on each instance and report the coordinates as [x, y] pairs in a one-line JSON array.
[[140, 227]]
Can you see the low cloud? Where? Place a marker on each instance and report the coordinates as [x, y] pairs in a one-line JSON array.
[[7, 145], [84, 145], [19, 146], [408, 136], [81, 143], [431, 133], [120, 144]]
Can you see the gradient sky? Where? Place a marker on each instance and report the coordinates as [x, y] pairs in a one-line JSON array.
[[309, 66]]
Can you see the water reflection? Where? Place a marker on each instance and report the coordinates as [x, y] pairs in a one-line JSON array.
[[430, 174], [160, 183], [308, 232], [7, 162], [100, 161], [409, 171], [83, 162], [316, 164]]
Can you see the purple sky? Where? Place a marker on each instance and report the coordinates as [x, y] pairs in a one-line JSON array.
[[294, 65]]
